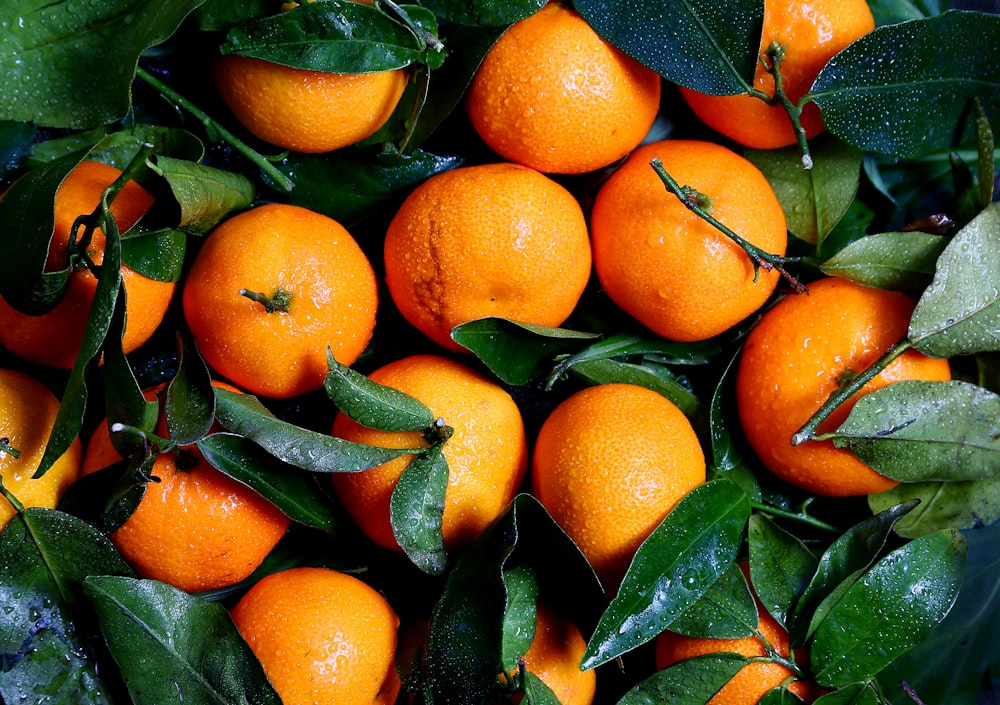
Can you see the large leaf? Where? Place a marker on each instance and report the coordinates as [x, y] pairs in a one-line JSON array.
[[781, 566], [172, 647], [371, 404], [416, 508], [708, 45], [484, 13], [902, 261], [690, 682], [900, 90], [70, 64], [205, 194], [726, 611], [943, 505]]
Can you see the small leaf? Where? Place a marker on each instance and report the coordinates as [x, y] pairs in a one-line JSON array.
[[890, 610], [677, 564], [923, 431], [690, 682], [416, 508], [536, 692], [726, 611], [157, 255], [484, 13], [205, 194], [781, 566], [190, 404], [651, 376], [986, 160], [172, 647], [901, 261], [124, 400], [520, 616], [851, 694], [959, 314], [943, 505], [371, 404], [727, 461]]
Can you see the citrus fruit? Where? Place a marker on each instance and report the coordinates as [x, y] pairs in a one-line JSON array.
[[486, 453], [754, 679], [303, 110], [486, 240], [798, 354], [53, 338], [270, 290], [27, 413], [609, 464], [667, 267], [555, 654], [810, 33], [555, 96], [322, 636]]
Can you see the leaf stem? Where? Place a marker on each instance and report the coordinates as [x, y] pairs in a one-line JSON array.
[[428, 40], [698, 204], [802, 518], [808, 430], [6, 447], [179, 101], [771, 61], [9, 496]]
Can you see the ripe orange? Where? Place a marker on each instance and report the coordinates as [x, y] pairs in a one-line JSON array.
[[486, 240], [609, 464], [322, 637], [487, 453], [27, 413], [303, 110], [753, 680], [670, 269], [314, 288], [811, 33], [555, 96], [796, 356], [53, 339], [555, 655]]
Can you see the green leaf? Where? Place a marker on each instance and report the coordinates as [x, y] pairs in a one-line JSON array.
[[943, 505], [335, 36], [371, 404], [959, 314], [902, 261], [890, 610], [649, 375], [726, 611], [295, 492], [520, 615], [44, 556], [899, 90], [205, 194], [172, 647], [923, 431], [781, 566], [484, 13], [677, 564], [690, 682], [190, 403], [536, 692], [708, 45], [244, 415], [727, 460], [416, 508], [124, 400], [851, 694], [986, 161], [53, 50], [813, 200], [157, 255], [516, 352], [217, 15], [893, 11]]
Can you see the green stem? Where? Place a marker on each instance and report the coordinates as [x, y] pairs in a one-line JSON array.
[[808, 430], [6, 447], [438, 432], [428, 40], [697, 202], [9, 496], [212, 125], [772, 64], [801, 518], [277, 302]]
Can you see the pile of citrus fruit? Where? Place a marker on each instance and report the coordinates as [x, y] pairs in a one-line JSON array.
[[539, 352]]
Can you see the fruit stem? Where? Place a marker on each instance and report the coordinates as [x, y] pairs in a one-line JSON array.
[[9, 496], [808, 430], [423, 36], [771, 60], [179, 101], [802, 518], [696, 202], [6, 447], [278, 302], [438, 432]]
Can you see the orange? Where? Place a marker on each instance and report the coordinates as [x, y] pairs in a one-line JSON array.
[[322, 637], [796, 356], [555, 654], [670, 269], [555, 96], [195, 528], [487, 240], [811, 33], [27, 413], [753, 680], [303, 110], [313, 287], [486, 454], [53, 339], [609, 464]]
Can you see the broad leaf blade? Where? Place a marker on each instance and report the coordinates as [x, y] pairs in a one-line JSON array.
[[658, 378], [190, 403], [781, 566], [205, 194], [416, 508], [943, 505], [521, 614], [726, 611], [901, 261], [484, 13], [374, 405], [690, 682]]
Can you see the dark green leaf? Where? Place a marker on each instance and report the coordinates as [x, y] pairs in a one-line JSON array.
[[893, 11], [923, 431], [677, 564], [726, 458], [536, 692], [516, 352], [726, 611], [54, 49], [652, 376], [899, 89], [172, 647], [371, 404], [416, 507], [205, 194], [190, 402], [959, 314], [708, 45], [293, 491], [157, 255], [243, 414], [780, 566], [903, 261], [890, 610], [16, 139], [986, 173], [124, 400], [485, 13], [690, 682], [520, 616], [814, 200], [851, 694], [943, 505], [217, 15], [119, 147]]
